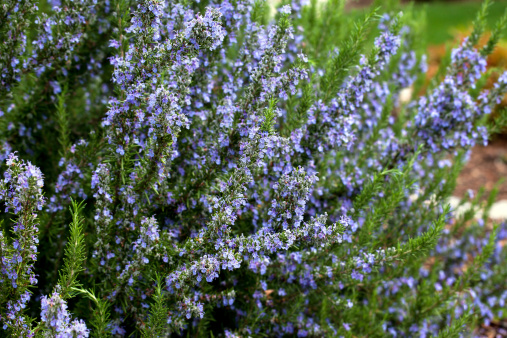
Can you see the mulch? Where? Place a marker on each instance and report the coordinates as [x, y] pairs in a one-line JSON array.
[[497, 329], [486, 167]]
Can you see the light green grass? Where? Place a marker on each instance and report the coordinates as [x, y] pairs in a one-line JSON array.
[[443, 17]]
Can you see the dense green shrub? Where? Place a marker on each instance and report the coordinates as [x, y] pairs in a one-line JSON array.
[[219, 168]]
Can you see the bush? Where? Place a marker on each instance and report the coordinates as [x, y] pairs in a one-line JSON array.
[[210, 168]]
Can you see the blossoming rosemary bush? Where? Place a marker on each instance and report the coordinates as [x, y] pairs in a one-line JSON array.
[[208, 168]]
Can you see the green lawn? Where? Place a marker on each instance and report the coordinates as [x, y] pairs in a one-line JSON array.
[[443, 17]]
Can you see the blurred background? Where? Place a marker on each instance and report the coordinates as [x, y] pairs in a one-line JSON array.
[[447, 24]]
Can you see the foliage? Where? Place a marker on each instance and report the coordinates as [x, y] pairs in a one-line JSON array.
[[239, 172]]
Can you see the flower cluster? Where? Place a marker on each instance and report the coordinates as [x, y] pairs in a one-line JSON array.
[[243, 172], [55, 316], [58, 35], [338, 117], [21, 192], [446, 118]]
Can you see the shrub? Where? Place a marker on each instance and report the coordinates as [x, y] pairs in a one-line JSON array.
[[233, 172]]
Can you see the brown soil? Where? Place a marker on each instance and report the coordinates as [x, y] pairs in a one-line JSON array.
[[350, 4], [487, 166], [497, 329]]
